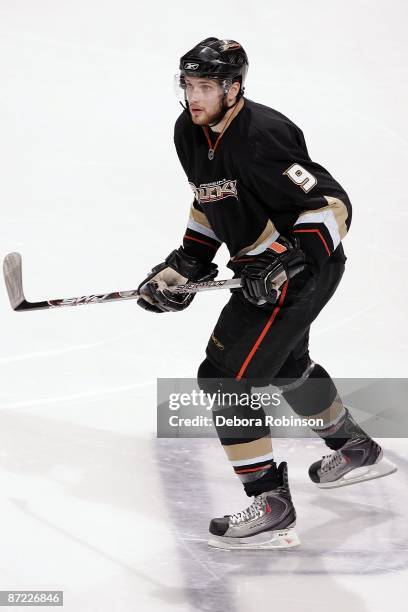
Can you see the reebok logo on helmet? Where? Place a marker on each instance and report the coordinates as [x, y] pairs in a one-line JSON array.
[[190, 66]]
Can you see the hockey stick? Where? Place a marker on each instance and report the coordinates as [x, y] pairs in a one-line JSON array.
[[13, 277]]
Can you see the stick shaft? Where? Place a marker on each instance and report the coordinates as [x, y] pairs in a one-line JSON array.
[[134, 294]]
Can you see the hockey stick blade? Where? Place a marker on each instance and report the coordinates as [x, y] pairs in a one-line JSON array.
[[12, 270]]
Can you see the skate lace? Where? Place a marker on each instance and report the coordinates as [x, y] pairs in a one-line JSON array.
[[253, 511], [330, 462]]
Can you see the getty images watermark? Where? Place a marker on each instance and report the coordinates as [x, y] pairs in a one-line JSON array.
[[192, 412]]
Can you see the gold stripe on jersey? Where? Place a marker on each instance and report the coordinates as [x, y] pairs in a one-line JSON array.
[[333, 217], [340, 212], [199, 217], [198, 222], [269, 235]]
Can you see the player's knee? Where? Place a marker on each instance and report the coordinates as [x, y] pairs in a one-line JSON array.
[[212, 379], [313, 395]]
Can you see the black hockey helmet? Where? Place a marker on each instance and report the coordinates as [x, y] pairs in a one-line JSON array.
[[216, 58]]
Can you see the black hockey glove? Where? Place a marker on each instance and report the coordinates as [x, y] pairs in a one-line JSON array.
[[177, 269], [269, 270]]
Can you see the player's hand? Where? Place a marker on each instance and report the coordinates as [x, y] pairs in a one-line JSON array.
[[155, 294], [262, 278], [177, 269]]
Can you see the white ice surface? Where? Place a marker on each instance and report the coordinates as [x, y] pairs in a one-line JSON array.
[[92, 195]]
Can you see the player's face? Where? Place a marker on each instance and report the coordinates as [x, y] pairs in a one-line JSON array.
[[204, 98]]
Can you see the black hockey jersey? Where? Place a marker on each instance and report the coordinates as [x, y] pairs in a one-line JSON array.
[[261, 183]]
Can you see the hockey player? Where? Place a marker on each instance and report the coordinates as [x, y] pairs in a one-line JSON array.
[[283, 218]]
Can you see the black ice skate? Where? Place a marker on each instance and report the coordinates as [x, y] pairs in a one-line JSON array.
[[266, 524], [358, 459]]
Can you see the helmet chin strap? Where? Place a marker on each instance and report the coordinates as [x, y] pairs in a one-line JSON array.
[[222, 113]]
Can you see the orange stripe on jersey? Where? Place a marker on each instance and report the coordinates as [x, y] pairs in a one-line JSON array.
[[263, 333], [316, 231]]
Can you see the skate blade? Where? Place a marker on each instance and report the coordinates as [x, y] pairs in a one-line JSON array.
[[383, 468], [267, 540]]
